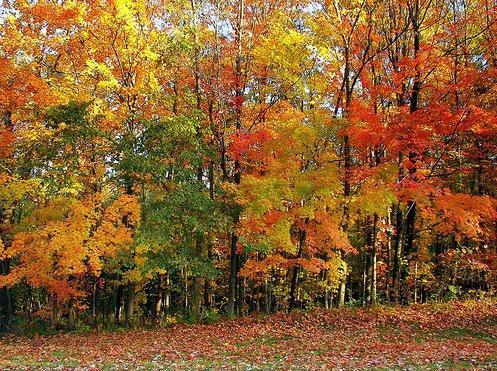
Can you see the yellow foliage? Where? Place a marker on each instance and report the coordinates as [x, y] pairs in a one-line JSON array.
[[70, 238]]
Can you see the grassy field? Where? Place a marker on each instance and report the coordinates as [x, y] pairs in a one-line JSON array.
[[457, 335]]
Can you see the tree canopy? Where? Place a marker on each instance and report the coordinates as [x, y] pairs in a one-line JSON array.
[[163, 158]]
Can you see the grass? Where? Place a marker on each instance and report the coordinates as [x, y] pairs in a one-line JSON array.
[[456, 336]]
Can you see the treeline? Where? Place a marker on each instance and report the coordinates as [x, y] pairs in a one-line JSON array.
[[197, 158]]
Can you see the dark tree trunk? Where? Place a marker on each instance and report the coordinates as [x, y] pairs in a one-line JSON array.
[[295, 273], [364, 278], [233, 274], [389, 255], [196, 286], [94, 303], [374, 260], [130, 304], [117, 310], [232, 287], [207, 284], [6, 308], [368, 260], [241, 286], [410, 231], [397, 252], [70, 314]]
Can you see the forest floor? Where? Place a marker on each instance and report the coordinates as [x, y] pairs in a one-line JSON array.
[[457, 335]]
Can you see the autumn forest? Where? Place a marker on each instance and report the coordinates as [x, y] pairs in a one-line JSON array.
[[188, 160]]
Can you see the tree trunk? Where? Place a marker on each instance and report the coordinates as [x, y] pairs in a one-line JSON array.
[[267, 297], [238, 119], [414, 103], [373, 260], [130, 304], [389, 254], [166, 294], [207, 285], [54, 319], [6, 314], [186, 303], [196, 294], [117, 310], [94, 304], [233, 274], [207, 294], [70, 313], [295, 273], [410, 219], [196, 298], [397, 253], [343, 285], [369, 276], [364, 283], [345, 222], [196, 285], [241, 286], [157, 310], [6, 307]]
